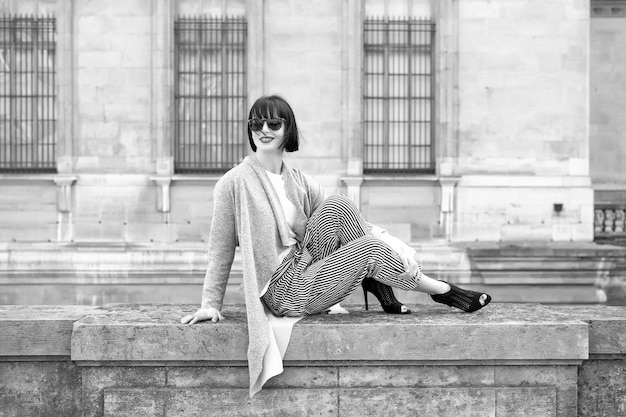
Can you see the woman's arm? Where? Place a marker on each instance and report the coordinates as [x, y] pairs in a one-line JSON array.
[[222, 244]]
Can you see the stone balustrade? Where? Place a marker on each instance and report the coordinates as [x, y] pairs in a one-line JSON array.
[[138, 360]]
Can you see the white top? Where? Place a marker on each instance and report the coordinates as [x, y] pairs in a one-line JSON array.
[[289, 209]]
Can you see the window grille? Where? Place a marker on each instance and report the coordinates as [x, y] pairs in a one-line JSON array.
[[398, 96], [210, 94], [27, 94]]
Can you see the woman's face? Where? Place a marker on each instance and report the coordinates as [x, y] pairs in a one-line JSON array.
[[267, 139]]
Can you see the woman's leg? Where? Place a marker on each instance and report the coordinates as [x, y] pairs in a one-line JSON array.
[[338, 223], [430, 285], [335, 223], [335, 277], [342, 253]]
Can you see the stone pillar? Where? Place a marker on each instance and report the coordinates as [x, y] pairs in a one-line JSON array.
[[447, 207], [65, 95], [352, 99], [255, 13], [447, 87], [162, 22]]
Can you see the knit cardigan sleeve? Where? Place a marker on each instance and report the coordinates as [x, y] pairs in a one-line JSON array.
[[222, 244]]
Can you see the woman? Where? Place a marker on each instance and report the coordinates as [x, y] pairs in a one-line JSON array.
[[302, 253]]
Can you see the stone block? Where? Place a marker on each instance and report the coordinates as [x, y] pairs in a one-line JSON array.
[[479, 9], [102, 135], [90, 39], [28, 232], [447, 402], [137, 25], [34, 389], [98, 232], [228, 341], [136, 333], [425, 376], [606, 327], [133, 403], [93, 25], [29, 331], [43, 213], [20, 197], [184, 377], [96, 380], [99, 59], [138, 60], [129, 111], [151, 232], [562, 378], [602, 388], [522, 402], [231, 402]]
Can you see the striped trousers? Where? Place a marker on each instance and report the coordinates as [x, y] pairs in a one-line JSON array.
[[336, 254]]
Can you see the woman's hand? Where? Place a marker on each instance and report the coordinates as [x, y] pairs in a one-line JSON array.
[[203, 314]]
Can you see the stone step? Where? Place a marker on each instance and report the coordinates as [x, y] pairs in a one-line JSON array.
[[98, 274]]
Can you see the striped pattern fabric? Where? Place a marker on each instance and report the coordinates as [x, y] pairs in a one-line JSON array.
[[336, 254]]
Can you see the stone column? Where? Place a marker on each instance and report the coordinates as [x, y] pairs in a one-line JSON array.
[[162, 78], [447, 87], [447, 208], [255, 13], [352, 100], [65, 95]]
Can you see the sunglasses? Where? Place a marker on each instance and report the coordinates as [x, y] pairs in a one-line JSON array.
[[257, 124]]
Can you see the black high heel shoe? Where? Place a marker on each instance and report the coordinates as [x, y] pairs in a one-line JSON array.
[[466, 300], [385, 296]]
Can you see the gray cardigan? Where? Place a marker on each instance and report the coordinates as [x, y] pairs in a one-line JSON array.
[[247, 212]]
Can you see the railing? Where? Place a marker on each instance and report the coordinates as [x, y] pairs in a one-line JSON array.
[[27, 94], [610, 221]]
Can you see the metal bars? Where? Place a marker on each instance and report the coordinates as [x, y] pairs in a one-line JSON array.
[[27, 94], [398, 96], [209, 93]]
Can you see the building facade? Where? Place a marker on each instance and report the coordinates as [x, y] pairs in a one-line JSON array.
[[448, 122]]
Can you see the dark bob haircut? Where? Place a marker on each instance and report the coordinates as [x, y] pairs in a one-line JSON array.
[[276, 106]]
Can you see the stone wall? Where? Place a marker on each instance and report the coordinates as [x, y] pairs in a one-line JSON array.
[[523, 141], [607, 97], [511, 119], [134, 360]]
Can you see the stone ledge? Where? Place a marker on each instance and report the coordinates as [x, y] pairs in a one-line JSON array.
[[32, 331], [132, 360], [144, 333], [607, 327], [504, 332]]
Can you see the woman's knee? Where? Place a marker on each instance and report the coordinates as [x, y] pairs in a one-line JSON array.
[[372, 243], [341, 203]]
